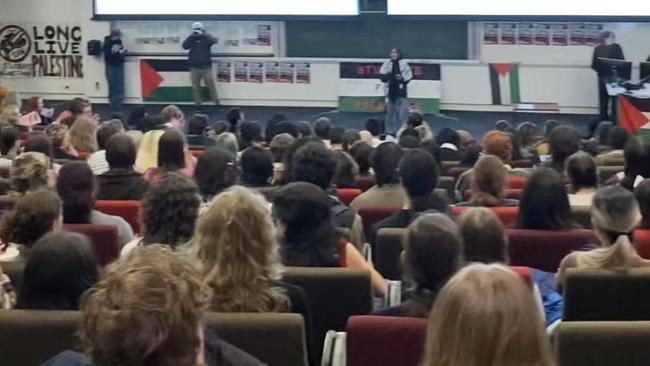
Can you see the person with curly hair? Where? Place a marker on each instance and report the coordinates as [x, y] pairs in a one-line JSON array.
[[29, 172], [35, 214], [149, 309], [59, 136], [169, 212]]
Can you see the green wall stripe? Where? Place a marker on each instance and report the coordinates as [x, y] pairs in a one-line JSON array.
[[515, 92]]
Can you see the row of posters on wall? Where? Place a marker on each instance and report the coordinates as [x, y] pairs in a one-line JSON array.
[[260, 72], [541, 34]]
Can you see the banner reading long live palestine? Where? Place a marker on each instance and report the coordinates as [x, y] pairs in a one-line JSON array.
[[361, 90]]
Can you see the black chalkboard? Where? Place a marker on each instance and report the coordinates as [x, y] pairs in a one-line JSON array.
[[373, 35]]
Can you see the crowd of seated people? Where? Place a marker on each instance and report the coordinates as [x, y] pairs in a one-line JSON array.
[[227, 207]]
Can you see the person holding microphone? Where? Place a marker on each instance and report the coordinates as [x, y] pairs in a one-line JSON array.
[[200, 43], [396, 74], [608, 48]]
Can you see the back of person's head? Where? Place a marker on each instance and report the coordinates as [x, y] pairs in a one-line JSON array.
[[448, 136], [171, 150], [614, 212], [642, 194], [287, 127], [250, 132], [499, 144], [336, 134], [58, 134], [424, 133], [169, 210], [10, 114], [280, 145], [502, 125], [361, 153], [172, 112], [197, 124], [78, 106], [564, 141], [346, 170], [433, 252], [137, 116], [234, 116], [374, 127], [38, 142], [486, 315], [83, 134], [120, 152], [637, 156], [304, 129], [313, 163], [60, 268], [322, 128], [415, 119], [105, 132], [8, 139], [228, 141], [241, 265], [257, 166], [549, 126], [309, 236], [526, 134], [271, 126], [484, 237], [617, 137], [147, 309], [215, 171], [544, 204], [601, 133], [408, 141], [349, 138], [418, 173], [33, 215], [385, 161], [581, 170], [488, 182], [470, 156], [76, 187], [29, 172], [220, 127]]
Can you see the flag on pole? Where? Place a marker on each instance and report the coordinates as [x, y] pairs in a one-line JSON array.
[[504, 83]]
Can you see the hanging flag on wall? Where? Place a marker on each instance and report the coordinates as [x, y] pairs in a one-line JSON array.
[[166, 81], [504, 83]]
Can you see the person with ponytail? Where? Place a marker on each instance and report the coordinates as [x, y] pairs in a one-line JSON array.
[[488, 184], [615, 215]]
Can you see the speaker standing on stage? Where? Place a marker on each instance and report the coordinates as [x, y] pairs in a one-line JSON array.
[[608, 48], [200, 44], [396, 73]]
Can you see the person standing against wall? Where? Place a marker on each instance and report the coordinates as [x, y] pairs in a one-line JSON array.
[[608, 48], [199, 43], [114, 52], [396, 74]]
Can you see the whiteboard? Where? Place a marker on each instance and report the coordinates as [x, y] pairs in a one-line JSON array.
[[235, 38]]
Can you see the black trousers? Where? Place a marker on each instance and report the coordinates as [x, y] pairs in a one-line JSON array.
[[604, 101]]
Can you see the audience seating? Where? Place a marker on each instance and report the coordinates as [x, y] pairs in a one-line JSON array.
[[385, 341], [347, 195], [372, 215], [524, 163], [514, 194], [605, 173], [274, 339], [642, 242], [83, 155], [516, 182], [103, 238], [128, 210], [14, 270], [448, 184], [508, 215], [602, 343], [29, 337], [388, 247], [599, 295], [582, 216], [544, 250], [334, 295], [366, 182]]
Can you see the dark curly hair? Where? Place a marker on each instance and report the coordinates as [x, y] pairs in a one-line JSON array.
[[169, 210], [313, 163], [31, 218]]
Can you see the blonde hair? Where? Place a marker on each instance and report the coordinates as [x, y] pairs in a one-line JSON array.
[[29, 172], [83, 135], [57, 132], [488, 182], [239, 253], [10, 114], [486, 315]]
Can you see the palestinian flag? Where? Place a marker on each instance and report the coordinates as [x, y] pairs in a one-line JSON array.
[[631, 117], [361, 90], [504, 83], [167, 81]]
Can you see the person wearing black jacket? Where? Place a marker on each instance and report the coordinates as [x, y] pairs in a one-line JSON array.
[[199, 44], [608, 48], [114, 52]]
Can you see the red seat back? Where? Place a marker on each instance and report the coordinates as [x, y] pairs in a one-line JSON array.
[[103, 238], [83, 155], [128, 210], [366, 182], [372, 215], [545, 250], [347, 195], [385, 341], [514, 194], [516, 183], [524, 273], [197, 153], [642, 242], [508, 215]]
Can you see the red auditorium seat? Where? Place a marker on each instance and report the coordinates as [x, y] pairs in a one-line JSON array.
[[516, 182], [128, 210], [197, 153], [366, 182], [347, 195], [385, 341], [372, 215], [103, 238], [545, 250], [514, 194], [83, 155], [642, 242], [508, 215]]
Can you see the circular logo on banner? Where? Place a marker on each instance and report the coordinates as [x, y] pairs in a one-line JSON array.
[[15, 43]]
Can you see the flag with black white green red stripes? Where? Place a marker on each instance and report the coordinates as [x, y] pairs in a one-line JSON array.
[[504, 83], [167, 81], [361, 90]]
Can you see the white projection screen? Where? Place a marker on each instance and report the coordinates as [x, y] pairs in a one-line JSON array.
[[223, 8], [539, 9]]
